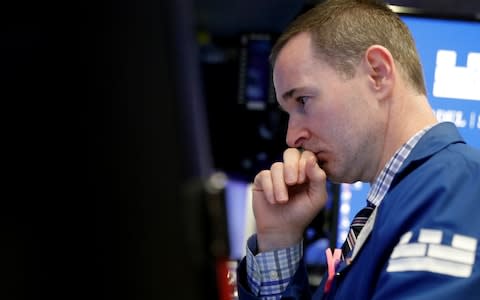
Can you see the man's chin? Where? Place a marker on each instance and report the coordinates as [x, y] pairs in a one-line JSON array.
[[339, 179], [335, 177], [330, 174]]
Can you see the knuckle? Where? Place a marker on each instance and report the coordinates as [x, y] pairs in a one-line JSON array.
[[277, 165]]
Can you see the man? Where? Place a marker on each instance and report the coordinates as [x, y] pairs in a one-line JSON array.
[[349, 77]]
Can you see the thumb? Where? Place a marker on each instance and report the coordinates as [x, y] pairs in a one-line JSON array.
[[317, 182]]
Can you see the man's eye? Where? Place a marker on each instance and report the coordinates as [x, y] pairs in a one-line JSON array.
[[302, 100]]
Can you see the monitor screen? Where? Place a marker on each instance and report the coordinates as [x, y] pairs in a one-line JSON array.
[[255, 86], [240, 220], [449, 50], [450, 54]]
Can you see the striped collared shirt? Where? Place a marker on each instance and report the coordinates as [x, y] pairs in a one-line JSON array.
[[382, 182], [270, 272]]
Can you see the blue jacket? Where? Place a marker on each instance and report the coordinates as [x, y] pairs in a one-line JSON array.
[[424, 242]]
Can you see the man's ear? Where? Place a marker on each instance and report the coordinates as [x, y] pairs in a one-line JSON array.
[[380, 68]]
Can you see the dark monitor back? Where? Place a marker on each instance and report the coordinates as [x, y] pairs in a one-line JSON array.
[[100, 154]]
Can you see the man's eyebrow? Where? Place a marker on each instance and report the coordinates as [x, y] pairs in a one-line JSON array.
[[288, 94]]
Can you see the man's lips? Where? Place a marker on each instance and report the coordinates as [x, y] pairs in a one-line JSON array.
[[321, 159]]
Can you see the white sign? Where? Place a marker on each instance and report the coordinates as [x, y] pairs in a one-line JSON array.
[[452, 81]]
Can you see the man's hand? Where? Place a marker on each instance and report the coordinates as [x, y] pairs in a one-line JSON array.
[[286, 198]]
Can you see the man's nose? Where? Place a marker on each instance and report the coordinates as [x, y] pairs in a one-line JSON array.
[[296, 134]]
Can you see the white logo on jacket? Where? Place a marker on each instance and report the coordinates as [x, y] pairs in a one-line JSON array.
[[428, 253]]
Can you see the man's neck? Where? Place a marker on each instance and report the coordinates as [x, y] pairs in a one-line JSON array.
[[407, 117]]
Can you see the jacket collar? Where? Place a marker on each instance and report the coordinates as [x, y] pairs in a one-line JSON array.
[[437, 138]]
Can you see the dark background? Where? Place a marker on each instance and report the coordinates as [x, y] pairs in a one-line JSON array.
[[109, 112]]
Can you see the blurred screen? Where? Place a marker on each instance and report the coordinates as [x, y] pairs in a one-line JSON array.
[[450, 54], [241, 224], [255, 84]]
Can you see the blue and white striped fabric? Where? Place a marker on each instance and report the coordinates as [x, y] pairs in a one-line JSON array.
[[270, 272], [382, 182]]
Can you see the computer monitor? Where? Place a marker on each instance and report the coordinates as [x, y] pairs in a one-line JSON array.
[[449, 50]]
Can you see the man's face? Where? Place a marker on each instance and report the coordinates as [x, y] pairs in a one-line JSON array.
[[331, 116]]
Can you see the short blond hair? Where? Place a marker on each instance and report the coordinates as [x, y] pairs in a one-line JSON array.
[[342, 30]]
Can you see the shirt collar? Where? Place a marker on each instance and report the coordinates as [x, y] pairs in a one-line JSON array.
[[382, 183]]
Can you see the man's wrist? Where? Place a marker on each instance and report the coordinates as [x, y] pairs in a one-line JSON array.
[[273, 242]]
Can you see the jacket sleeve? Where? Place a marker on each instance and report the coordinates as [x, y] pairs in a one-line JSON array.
[[438, 256]]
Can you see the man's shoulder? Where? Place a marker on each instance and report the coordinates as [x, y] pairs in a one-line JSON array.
[[441, 151], [446, 139]]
